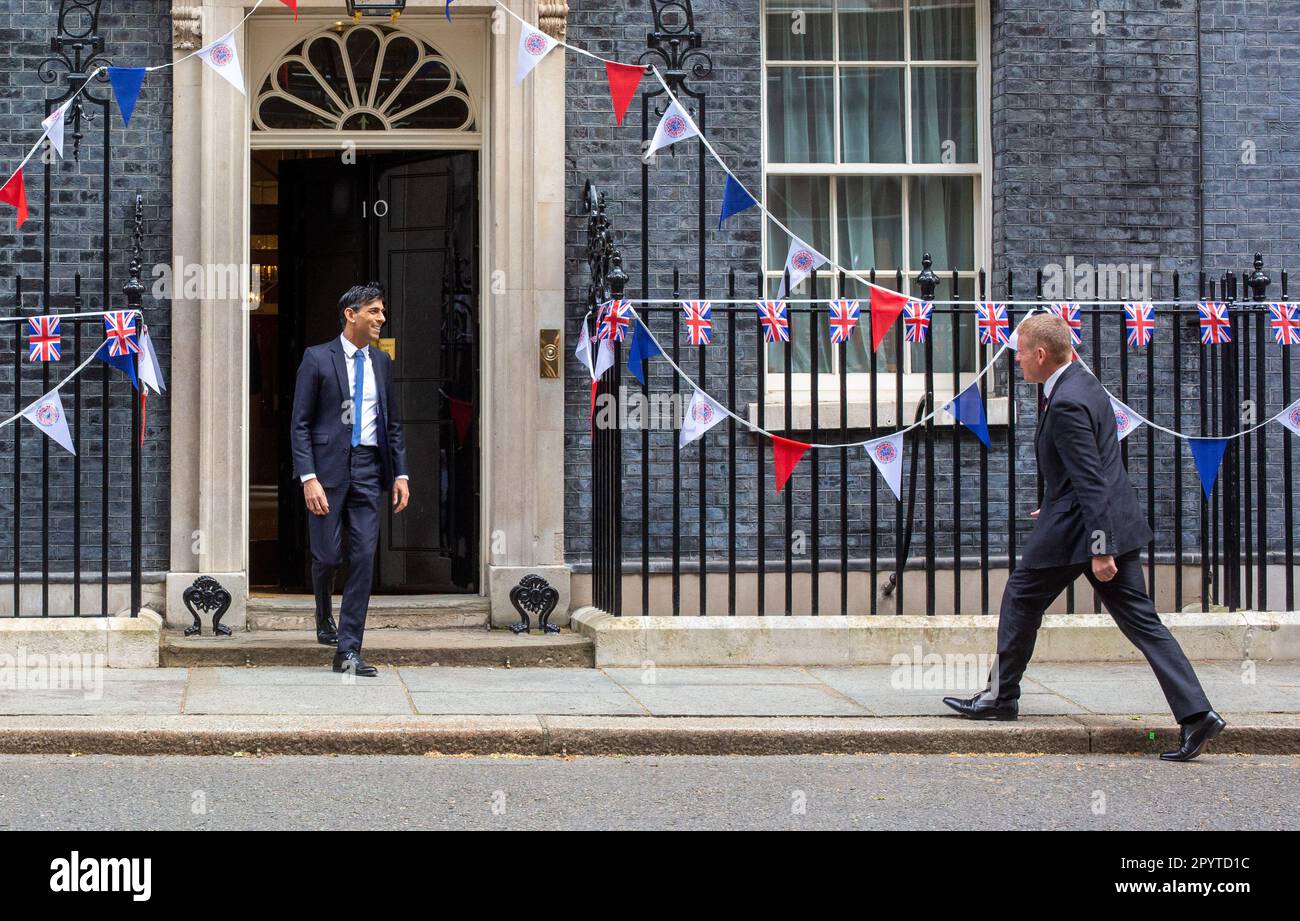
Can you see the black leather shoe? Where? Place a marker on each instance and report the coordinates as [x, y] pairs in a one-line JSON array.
[[1194, 736], [981, 708], [327, 632], [351, 662]]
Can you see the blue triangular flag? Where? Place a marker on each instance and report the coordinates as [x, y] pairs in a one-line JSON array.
[[1208, 453], [123, 363], [126, 87], [449, 10], [734, 199], [642, 348], [968, 409]]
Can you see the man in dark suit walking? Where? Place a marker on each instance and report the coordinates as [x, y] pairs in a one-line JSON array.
[[1089, 524], [348, 450]]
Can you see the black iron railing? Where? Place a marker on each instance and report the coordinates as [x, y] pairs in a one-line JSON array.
[[703, 518]]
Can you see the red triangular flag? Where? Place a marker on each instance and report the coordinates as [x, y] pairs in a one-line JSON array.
[[787, 454], [623, 81], [885, 308], [462, 413], [14, 192], [591, 419], [293, 5]]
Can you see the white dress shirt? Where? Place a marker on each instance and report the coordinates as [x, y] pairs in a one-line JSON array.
[[369, 398], [1051, 381]]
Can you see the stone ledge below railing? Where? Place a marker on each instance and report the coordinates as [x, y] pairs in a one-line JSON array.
[[57, 643], [865, 640]]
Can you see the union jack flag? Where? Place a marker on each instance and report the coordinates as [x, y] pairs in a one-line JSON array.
[[43, 339], [916, 320], [776, 325], [993, 323], [1286, 323], [1140, 321], [844, 319], [1216, 328], [699, 322], [1070, 314], [615, 321], [121, 334]]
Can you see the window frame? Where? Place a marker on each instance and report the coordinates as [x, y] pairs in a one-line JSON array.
[[858, 382]]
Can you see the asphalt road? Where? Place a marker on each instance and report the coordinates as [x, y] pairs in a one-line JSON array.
[[803, 792]]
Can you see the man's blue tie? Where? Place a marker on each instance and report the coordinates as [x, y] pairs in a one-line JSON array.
[[359, 359]]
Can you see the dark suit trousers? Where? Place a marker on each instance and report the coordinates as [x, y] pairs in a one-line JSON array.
[[354, 508], [1029, 593]]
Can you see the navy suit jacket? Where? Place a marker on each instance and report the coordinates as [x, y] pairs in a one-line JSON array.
[[1089, 506], [320, 437]]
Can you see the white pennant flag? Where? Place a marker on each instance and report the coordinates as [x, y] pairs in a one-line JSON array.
[[887, 455], [583, 351], [604, 358], [53, 126], [702, 414], [800, 261], [1290, 417], [223, 57], [150, 370], [1126, 420], [48, 416], [533, 46], [675, 126]]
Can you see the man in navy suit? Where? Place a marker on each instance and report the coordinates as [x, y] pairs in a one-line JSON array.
[[1090, 524], [348, 451]]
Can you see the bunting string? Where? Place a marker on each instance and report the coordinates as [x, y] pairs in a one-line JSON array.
[[642, 327], [139, 317], [761, 431]]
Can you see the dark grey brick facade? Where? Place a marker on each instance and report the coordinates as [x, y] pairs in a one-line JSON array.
[[136, 33], [1097, 140]]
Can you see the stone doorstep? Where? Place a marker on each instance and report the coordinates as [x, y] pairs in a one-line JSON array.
[[450, 646], [865, 640], [406, 612], [123, 642], [573, 735]]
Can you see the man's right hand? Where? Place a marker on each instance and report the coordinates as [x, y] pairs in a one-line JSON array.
[[1034, 513], [314, 493]]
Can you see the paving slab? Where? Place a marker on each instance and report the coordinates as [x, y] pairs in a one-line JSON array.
[[874, 688], [743, 700], [267, 676], [516, 702], [338, 697], [144, 697], [466, 679], [677, 677]]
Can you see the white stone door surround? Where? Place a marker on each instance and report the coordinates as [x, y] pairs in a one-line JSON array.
[[521, 415]]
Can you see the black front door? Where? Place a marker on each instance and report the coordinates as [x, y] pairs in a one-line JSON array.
[[410, 222]]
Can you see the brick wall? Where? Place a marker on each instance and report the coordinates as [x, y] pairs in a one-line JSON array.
[[136, 32]]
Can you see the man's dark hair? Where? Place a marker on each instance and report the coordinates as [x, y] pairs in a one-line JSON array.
[[357, 295]]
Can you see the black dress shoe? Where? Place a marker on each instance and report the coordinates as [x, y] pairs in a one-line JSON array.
[[1194, 736], [980, 707], [351, 662], [327, 632]]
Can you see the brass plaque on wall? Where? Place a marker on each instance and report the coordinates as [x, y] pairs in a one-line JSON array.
[[548, 354], [389, 346]]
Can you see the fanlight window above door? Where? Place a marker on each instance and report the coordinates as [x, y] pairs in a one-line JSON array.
[[363, 78]]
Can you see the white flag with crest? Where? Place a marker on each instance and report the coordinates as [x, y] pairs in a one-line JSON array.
[[1126, 420], [800, 261], [887, 455], [53, 126], [533, 46], [702, 414], [223, 57], [1290, 417], [48, 416], [675, 126]]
